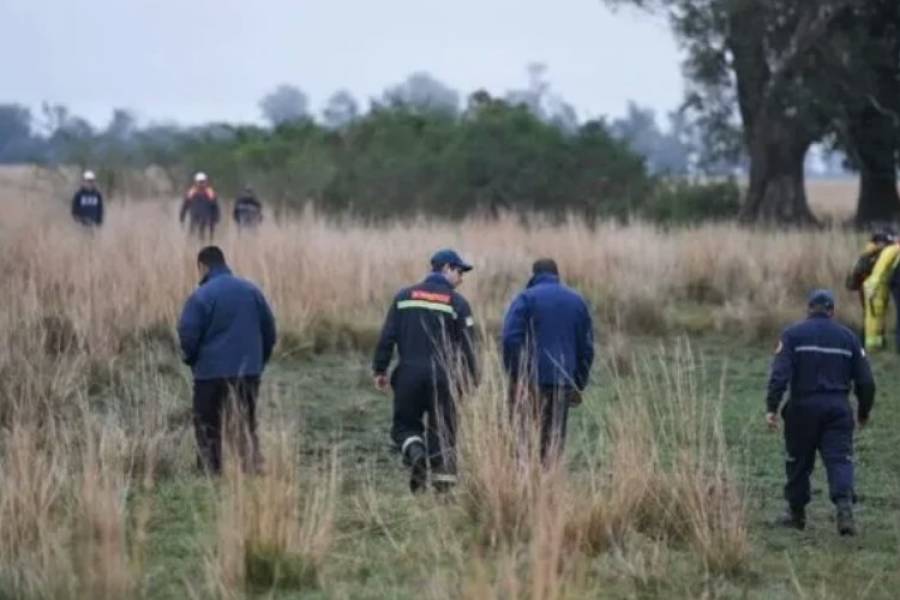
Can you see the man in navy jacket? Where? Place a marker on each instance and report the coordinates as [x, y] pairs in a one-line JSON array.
[[548, 350], [227, 333], [820, 361], [87, 203]]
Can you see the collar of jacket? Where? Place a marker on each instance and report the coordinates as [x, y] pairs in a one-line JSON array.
[[438, 279], [215, 272], [542, 278]]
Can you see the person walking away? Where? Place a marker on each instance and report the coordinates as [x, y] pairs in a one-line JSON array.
[[876, 289], [862, 268], [548, 351], [227, 333], [820, 361], [87, 203], [432, 328], [201, 206], [247, 210]]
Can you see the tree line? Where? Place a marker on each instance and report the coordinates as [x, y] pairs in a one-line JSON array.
[[419, 149]]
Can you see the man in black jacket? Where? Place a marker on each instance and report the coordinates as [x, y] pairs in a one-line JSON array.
[[87, 204], [432, 327], [247, 210]]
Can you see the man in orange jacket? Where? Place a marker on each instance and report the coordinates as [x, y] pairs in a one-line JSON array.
[[202, 205]]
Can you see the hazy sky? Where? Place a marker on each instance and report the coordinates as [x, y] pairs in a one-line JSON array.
[[201, 60]]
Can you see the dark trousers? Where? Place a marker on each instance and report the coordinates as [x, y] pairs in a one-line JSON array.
[[421, 391], [824, 424], [205, 229], [226, 409], [546, 408]]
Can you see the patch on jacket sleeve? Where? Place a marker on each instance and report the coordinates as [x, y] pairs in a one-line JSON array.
[[779, 347], [430, 296], [470, 322]]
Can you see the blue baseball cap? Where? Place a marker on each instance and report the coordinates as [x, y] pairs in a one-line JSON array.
[[821, 297], [449, 257]]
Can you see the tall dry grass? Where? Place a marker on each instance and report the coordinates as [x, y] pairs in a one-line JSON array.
[[91, 315], [274, 530], [330, 279], [65, 528], [658, 480]]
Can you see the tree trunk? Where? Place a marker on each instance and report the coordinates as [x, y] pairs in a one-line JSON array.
[[878, 199], [776, 194], [872, 132]]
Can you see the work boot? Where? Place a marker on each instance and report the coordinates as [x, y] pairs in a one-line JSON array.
[[845, 524], [793, 518], [417, 458]]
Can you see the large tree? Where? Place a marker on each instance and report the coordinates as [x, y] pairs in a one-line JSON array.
[[759, 55], [864, 61]]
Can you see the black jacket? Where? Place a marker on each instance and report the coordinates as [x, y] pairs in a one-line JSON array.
[[247, 211], [432, 327], [87, 206]]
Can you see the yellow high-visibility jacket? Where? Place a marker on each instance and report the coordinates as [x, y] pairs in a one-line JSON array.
[[877, 284]]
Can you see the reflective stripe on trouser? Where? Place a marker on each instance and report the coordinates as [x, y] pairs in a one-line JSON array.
[[876, 307], [824, 424]]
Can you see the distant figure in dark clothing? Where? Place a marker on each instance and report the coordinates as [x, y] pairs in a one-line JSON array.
[[227, 333], [202, 206], [247, 210], [87, 204], [548, 350]]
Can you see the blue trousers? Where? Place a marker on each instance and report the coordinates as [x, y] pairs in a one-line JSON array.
[[824, 424]]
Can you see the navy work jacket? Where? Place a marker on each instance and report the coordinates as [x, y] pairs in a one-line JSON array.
[[819, 357], [548, 332], [226, 328]]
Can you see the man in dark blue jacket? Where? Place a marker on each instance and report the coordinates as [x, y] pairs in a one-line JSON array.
[[821, 361], [431, 326], [227, 333], [87, 203], [548, 350]]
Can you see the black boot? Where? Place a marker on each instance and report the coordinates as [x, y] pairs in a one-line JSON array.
[[417, 459], [793, 518], [845, 523]]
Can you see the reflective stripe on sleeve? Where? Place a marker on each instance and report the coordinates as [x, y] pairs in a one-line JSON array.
[[424, 304], [824, 350]]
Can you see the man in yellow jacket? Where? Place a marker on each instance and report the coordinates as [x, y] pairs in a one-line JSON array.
[[877, 290]]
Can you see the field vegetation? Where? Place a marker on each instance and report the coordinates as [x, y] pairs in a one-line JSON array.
[[668, 482]]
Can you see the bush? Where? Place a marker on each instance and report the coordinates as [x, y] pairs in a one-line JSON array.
[[686, 202]]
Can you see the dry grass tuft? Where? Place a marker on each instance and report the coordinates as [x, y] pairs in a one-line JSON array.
[[274, 529]]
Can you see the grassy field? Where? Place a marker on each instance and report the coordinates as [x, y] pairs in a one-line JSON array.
[[670, 476], [388, 544]]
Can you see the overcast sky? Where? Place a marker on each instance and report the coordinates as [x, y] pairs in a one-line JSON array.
[[200, 60]]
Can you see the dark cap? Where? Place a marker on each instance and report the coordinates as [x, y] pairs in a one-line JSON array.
[[449, 257], [821, 297]]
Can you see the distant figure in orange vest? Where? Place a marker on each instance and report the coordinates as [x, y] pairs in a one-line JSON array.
[[202, 204]]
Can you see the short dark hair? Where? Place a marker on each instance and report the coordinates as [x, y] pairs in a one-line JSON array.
[[211, 256], [544, 265]]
